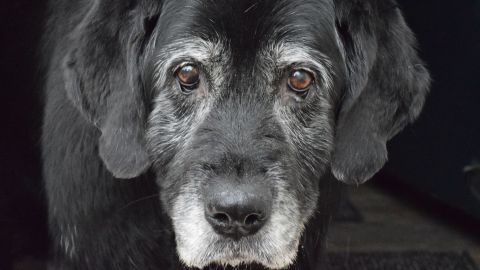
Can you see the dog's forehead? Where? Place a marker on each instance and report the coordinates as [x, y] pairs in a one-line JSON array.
[[248, 25]]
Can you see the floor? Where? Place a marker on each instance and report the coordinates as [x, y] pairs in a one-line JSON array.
[[391, 222]]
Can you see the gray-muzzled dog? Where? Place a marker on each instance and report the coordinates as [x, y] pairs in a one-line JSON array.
[[197, 134]]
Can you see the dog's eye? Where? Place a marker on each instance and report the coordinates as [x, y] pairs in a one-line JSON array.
[[300, 80], [189, 77]]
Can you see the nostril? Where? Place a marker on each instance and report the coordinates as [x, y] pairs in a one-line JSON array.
[[221, 218], [236, 211], [253, 219]]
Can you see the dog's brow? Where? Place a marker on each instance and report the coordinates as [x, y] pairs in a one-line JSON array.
[[187, 49], [284, 54]]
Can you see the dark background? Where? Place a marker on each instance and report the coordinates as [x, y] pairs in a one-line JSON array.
[[428, 160], [431, 155], [22, 211]]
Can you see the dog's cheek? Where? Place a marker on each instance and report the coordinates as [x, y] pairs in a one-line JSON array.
[[311, 144], [310, 140], [169, 187], [164, 134], [306, 191], [171, 128], [318, 151], [171, 177]]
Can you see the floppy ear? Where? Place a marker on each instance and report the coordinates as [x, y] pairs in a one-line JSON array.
[[386, 85], [103, 80]]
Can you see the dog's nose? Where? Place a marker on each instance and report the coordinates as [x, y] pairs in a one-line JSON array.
[[237, 211]]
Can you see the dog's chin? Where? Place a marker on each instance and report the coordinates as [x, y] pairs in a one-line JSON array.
[[237, 263], [239, 253], [240, 266]]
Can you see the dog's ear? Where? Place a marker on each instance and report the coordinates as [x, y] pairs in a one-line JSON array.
[[386, 85], [102, 71]]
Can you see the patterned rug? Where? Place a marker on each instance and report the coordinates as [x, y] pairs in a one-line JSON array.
[[347, 212], [408, 260]]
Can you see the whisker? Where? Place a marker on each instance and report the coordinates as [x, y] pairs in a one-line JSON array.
[[138, 200]]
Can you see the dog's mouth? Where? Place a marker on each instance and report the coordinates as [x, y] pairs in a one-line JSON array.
[[241, 258], [241, 266], [236, 263]]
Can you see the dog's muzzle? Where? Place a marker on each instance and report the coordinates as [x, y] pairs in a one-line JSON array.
[[237, 210]]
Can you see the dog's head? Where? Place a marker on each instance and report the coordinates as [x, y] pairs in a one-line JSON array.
[[240, 107]]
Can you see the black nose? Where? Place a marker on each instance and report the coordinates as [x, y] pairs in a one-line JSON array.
[[236, 211]]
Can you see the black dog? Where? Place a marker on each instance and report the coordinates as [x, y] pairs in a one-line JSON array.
[[235, 114]]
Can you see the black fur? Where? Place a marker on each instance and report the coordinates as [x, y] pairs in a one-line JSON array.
[[104, 176]]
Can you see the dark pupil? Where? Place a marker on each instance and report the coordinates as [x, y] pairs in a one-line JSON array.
[[188, 75]]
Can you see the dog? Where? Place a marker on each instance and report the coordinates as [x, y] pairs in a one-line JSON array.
[[194, 134]]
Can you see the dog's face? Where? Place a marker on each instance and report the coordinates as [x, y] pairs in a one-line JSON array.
[[241, 107], [242, 124]]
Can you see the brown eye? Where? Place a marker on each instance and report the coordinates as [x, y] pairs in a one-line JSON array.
[[188, 76], [300, 80]]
